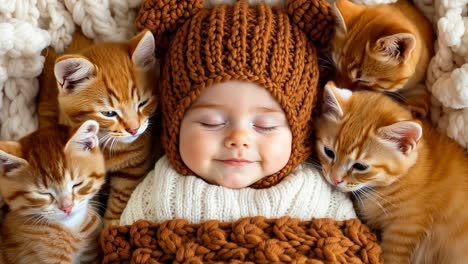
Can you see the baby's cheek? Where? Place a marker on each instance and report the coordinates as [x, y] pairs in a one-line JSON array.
[[275, 153], [196, 150]]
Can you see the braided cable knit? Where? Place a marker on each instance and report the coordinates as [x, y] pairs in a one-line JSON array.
[[20, 59], [20, 62], [98, 22], [25, 10], [447, 77], [58, 22], [253, 239]]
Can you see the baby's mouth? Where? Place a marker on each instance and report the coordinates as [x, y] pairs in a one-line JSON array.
[[236, 162]]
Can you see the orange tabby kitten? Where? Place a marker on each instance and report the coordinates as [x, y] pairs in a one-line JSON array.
[[384, 47], [114, 84], [410, 181], [47, 181]]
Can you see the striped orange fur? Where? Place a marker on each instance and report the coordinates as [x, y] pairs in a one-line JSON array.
[[48, 179], [410, 181], [114, 84], [384, 47]]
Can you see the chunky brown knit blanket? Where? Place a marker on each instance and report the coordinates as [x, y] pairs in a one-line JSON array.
[[253, 239]]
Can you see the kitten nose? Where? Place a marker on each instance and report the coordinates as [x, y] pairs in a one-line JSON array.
[[67, 209], [133, 130], [336, 182]]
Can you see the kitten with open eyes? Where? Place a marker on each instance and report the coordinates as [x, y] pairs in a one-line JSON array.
[[114, 84], [384, 47], [47, 180], [410, 181]]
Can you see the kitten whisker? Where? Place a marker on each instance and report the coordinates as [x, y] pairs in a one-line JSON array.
[[369, 196], [106, 141], [397, 96], [104, 138], [113, 143], [38, 220], [357, 195], [379, 195], [30, 218], [94, 213], [97, 205]]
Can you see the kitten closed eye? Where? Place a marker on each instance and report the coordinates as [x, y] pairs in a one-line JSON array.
[[140, 105], [77, 184]]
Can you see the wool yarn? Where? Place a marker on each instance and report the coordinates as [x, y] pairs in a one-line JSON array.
[[248, 240]]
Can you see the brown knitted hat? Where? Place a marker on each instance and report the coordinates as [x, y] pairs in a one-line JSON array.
[[259, 44]]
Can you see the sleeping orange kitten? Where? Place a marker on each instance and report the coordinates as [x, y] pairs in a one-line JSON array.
[[47, 180], [114, 84], [384, 47], [410, 181]]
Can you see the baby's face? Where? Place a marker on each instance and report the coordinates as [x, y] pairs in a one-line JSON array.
[[234, 134]]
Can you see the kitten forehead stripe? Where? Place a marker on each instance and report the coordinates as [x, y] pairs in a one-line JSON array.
[[15, 195]]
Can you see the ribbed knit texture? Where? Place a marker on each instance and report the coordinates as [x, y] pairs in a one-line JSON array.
[[163, 17], [164, 194], [315, 18], [247, 43]]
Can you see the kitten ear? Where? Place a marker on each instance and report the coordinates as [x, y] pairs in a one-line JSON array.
[[72, 72], [142, 48], [334, 99], [405, 134], [345, 13], [85, 138], [397, 46], [10, 156]]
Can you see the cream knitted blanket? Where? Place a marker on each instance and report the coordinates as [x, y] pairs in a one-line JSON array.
[[164, 194]]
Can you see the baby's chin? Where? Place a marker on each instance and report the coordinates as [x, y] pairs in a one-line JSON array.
[[234, 181]]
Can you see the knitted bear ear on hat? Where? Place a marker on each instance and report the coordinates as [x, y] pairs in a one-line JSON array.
[[314, 17], [164, 17]]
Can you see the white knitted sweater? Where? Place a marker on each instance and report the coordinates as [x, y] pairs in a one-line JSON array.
[[164, 194]]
